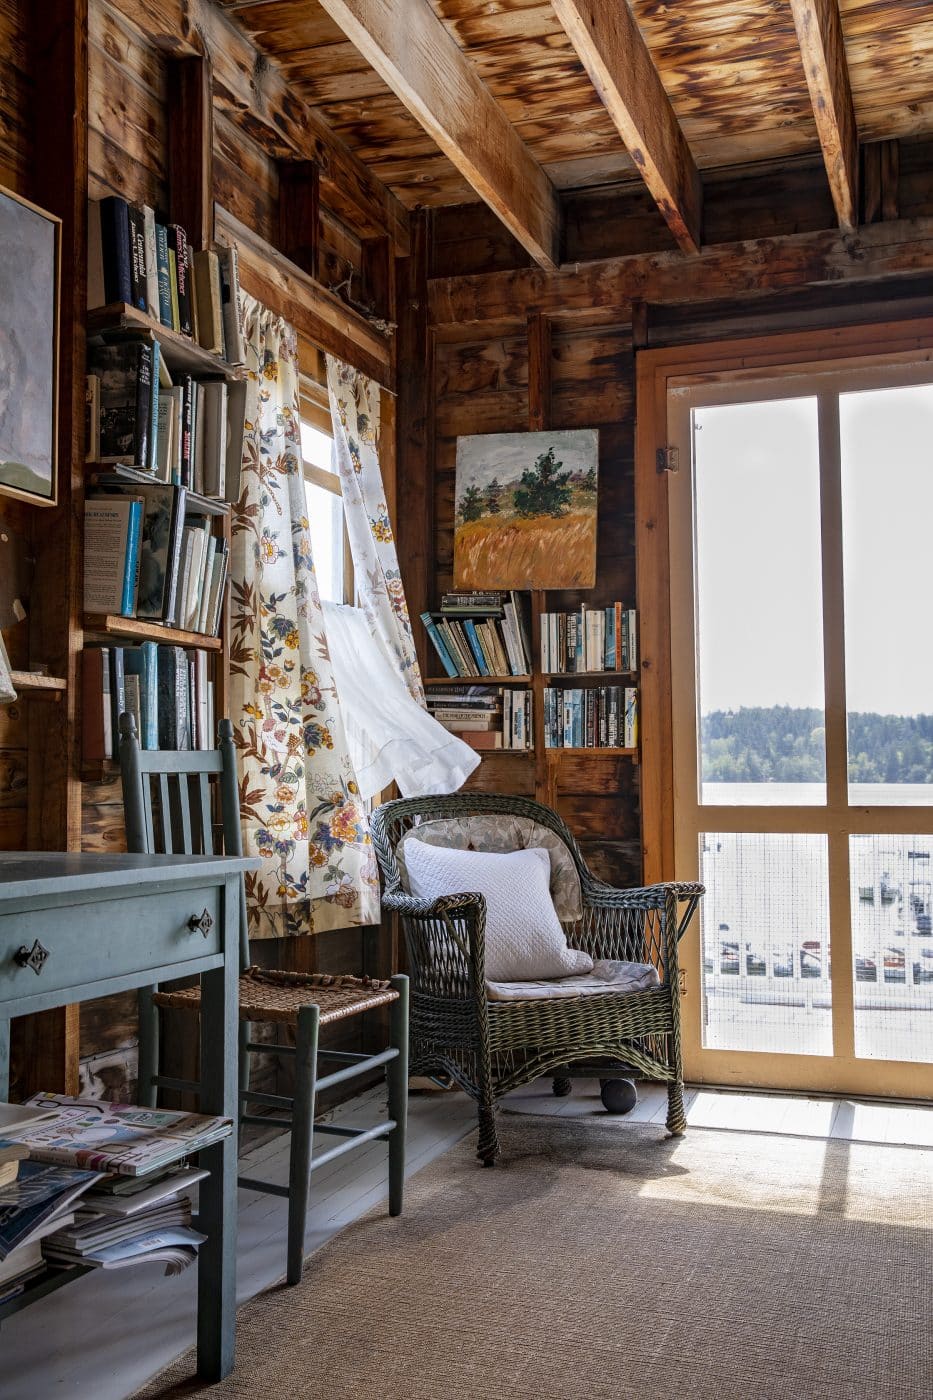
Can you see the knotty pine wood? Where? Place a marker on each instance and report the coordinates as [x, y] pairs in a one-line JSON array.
[[822, 47]]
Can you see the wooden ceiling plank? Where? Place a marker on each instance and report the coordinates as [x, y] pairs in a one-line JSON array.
[[251, 90], [418, 58], [610, 46], [819, 33]]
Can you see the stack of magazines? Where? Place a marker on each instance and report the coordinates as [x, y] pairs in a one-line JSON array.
[[35, 1200], [131, 1220], [116, 1137]]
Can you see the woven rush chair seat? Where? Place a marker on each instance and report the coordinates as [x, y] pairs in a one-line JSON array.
[[279, 996], [490, 1044]]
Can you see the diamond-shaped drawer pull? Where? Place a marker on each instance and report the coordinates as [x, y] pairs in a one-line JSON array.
[[35, 957], [201, 923]]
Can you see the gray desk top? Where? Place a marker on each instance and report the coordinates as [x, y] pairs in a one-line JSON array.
[[27, 873]]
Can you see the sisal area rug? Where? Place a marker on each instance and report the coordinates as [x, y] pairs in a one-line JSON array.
[[609, 1264]]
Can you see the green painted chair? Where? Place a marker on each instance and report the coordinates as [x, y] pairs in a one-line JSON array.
[[171, 801], [490, 1047]]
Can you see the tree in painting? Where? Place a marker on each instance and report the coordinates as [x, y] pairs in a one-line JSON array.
[[471, 506], [494, 497], [544, 489]]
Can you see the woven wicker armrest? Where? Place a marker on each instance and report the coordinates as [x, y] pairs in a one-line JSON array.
[[643, 897], [447, 906]]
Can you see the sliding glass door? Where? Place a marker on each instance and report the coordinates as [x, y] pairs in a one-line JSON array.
[[802, 671]]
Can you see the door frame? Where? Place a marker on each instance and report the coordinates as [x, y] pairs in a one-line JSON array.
[[846, 348]]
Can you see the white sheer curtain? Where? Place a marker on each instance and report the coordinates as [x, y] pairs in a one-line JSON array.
[[390, 736]]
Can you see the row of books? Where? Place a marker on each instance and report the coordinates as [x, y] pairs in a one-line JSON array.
[[485, 717], [150, 553], [189, 432], [592, 639], [598, 717], [136, 259], [490, 645], [167, 690]]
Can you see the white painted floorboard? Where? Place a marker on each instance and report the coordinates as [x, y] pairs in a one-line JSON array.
[[106, 1335]]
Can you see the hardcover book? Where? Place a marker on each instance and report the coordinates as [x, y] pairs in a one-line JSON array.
[[124, 369]]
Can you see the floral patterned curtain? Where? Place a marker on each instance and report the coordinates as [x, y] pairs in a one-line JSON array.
[[354, 406], [299, 802]]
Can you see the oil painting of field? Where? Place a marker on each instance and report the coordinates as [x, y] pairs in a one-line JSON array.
[[526, 510]]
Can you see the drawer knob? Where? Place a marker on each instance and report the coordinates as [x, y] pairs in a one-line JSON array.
[[201, 923], [35, 957]]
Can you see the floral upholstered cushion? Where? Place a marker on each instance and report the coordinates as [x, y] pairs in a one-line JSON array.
[[524, 937], [503, 832]]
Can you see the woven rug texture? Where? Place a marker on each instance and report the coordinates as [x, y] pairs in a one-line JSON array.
[[608, 1263]]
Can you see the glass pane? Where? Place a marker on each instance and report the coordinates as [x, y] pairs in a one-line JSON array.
[[765, 943], [892, 946], [887, 504], [759, 603], [317, 447], [325, 516]]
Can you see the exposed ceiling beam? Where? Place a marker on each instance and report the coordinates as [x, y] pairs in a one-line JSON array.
[[610, 46], [819, 34], [726, 271], [412, 51]]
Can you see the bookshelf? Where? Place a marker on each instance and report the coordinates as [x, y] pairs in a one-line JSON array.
[[135, 629], [180, 351], [50, 686], [538, 681]]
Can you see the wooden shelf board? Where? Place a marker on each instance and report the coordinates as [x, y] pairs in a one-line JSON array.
[[594, 752], [180, 351], [134, 628], [47, 685], [477, 680], [194, 501], [587, 675]]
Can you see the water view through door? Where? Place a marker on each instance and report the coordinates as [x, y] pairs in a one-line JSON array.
[[802, 530]]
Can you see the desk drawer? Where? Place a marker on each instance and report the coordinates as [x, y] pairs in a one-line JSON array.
[[107, 938]]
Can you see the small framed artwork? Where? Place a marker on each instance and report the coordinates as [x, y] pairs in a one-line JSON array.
[[526, 510], [30, 273]]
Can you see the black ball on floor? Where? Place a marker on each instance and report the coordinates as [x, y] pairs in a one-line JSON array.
[[618, 1095]]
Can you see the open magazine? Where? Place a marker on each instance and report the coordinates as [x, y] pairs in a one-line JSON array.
[[111, 1137]]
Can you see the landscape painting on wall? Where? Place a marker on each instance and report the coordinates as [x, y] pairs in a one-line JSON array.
[[29, 270], [526, 510]]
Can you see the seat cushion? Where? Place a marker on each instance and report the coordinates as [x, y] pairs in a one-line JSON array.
[[503, 831], [524, 937], [619, 977]]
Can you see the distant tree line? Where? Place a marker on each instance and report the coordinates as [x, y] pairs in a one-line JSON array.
[[786, 745]]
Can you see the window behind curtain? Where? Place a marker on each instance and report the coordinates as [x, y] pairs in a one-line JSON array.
[[332, 563]]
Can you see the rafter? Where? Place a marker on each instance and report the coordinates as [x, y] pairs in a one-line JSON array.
[[418, 58], [819, 34], [610, 46]]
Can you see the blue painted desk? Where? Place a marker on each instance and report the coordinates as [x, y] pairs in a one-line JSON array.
[[78, 926]]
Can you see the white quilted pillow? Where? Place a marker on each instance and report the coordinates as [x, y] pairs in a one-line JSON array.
[[524, 937]]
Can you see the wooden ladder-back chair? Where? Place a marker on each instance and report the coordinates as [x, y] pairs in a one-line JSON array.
[[169, 800], [490, 1047]]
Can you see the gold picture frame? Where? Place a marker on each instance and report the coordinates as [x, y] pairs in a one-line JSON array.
[[30, 308]]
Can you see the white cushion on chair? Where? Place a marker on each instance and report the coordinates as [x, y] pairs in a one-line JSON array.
[[622, 978], [524, 937], [503, 831]]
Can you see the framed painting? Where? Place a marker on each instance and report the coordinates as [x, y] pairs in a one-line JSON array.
[[526, 510], [30, 272]]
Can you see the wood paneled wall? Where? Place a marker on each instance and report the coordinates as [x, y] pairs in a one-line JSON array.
[[483, 387]]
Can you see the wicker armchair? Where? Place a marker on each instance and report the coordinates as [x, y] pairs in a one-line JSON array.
[[491, 1047]]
